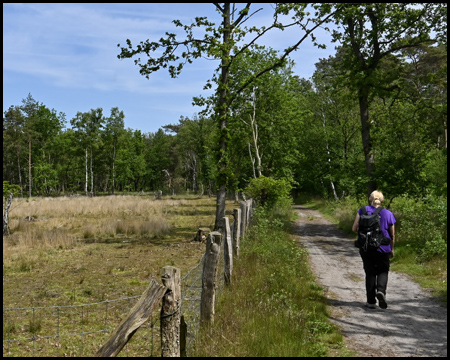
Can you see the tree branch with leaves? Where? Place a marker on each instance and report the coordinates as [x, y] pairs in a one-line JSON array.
[[225, 43]]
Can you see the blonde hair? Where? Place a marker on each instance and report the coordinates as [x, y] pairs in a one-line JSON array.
[[376, 198]]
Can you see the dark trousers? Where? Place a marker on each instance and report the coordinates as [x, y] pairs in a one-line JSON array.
[[376, 267]]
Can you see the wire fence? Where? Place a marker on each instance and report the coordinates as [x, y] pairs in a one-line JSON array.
[[80, 330]]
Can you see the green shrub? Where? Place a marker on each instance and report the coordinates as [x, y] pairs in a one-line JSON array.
[[267, 191], [423, 224], [9, 188]]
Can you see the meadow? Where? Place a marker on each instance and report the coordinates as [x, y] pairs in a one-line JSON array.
[[70, 251]]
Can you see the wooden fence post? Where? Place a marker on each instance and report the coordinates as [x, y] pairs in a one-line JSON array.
[[209, 277], [249, 211], [183, 336], [227, 253], [135, 318], [170, 312], [236, 231], [243, 206]]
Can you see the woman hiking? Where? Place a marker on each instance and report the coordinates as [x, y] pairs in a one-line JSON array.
[[376, 261]]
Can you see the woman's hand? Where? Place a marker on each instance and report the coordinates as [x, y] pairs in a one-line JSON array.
[[391, 254]]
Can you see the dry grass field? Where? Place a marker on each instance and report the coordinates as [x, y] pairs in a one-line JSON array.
[[73, 251]]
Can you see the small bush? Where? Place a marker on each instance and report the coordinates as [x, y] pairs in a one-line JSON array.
[[268, 191], [423, 224], [89, 231]]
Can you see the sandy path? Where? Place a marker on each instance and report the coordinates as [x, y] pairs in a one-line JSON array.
[[412, 325]]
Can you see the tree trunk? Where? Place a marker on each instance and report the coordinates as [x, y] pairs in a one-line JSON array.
[[20, 176], [252, 160], [255, 135], [333, 189], [5, 216], [366, 139], [86, 182], [114, 169], [329, 157], [222, 112], [92, 177], [29, 167], [194, 174]]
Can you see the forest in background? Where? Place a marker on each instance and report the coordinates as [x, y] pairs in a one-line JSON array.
[[306, 132]]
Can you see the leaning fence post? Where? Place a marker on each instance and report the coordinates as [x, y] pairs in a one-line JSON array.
[[139, 314], [227, 253], [170, 312], [236, 231], [209, 277]]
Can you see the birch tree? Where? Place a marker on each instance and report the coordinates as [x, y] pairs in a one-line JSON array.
[[87, 126], [114, 127]]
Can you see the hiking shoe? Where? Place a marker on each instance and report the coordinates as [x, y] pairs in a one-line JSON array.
[[381, 300], [370, 306]]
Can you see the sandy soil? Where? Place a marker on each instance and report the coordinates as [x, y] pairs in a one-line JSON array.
[[412, 325]]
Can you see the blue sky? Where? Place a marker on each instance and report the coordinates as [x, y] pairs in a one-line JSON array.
[[65, 55]]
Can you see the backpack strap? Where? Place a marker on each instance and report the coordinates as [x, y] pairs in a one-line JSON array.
[[377, 210]]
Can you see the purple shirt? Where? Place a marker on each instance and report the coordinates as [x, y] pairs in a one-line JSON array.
[[387, 219]]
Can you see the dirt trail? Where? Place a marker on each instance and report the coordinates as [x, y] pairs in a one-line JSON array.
[[412, 325]]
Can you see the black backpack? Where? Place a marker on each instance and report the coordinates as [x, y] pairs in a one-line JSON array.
[[370, 236]]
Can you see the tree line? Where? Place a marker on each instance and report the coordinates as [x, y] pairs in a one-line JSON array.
[[372, 116]]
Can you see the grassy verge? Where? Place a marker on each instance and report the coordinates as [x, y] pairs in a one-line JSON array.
[[421, 237], [273, 307]]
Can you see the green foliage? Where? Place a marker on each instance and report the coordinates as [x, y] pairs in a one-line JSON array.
[[370, 58], [434, 172], [423, 225], [45, 178], [268, 191], [8, 188]]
